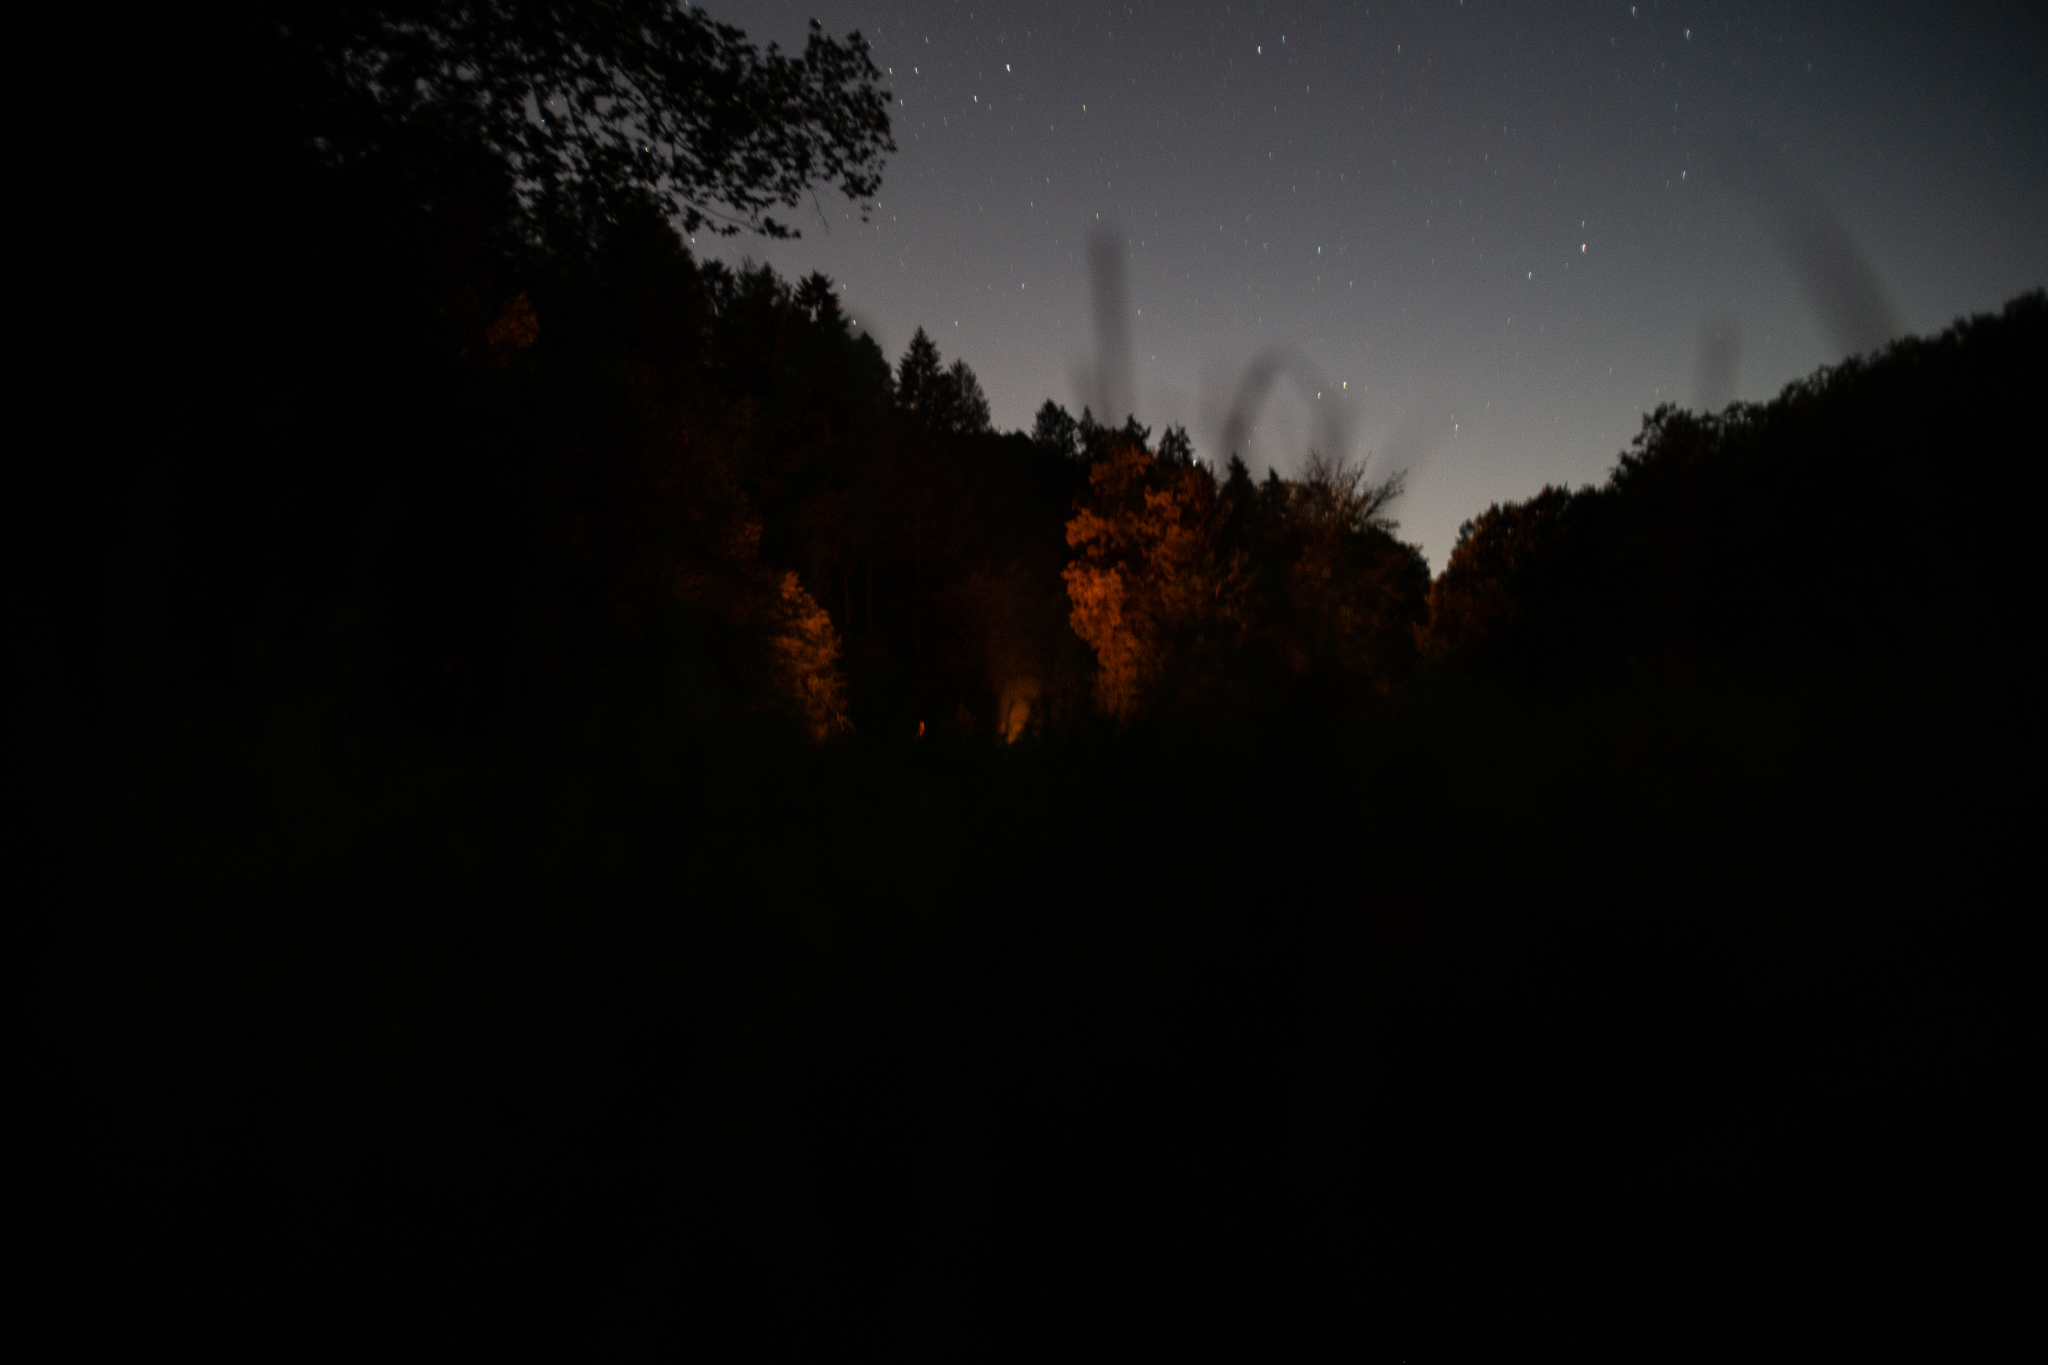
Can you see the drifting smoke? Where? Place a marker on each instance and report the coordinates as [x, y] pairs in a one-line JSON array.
[[1413, 442], [1838, 280], [1110, 390], [1257, 382], [1720, 363]]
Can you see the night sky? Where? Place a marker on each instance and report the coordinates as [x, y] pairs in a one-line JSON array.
[[1490, 236]]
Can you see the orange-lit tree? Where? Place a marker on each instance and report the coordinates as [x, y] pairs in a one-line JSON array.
[[806, 650], [1149, 583]]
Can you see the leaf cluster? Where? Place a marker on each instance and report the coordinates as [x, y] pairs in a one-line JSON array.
[[598, 104]]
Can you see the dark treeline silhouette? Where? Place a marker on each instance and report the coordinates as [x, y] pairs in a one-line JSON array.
[[1862, 522], [502, 875]]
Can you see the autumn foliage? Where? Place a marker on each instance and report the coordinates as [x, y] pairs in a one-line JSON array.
[[806, 651], [1236, 596], [1150, 576]]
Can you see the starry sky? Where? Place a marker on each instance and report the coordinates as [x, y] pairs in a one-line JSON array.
[[1475, 241]]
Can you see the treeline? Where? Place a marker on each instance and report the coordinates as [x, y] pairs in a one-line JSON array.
[[499, 480], [445, 441], [453, 440], [1871, 519], [482, 478]]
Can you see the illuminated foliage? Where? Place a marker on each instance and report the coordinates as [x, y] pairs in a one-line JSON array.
[[806, 650], [1148, 579], [1295, 593]]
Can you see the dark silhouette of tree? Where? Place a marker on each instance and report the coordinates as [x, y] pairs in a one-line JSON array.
[[1498, 569], [1056, 432], [819, 299], [969, 404], [1336, 598], [947, 399], [1240, 494], [1096, 440], [1175, 447], [595, 104], [921, 379], [1744, 541], [1356, 594]]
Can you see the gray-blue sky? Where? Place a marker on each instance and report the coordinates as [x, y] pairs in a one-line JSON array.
[[1499, 232]]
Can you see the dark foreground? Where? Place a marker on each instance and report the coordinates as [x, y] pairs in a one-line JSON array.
[[1688, 1005]]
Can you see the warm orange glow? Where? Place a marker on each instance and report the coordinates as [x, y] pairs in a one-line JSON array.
[[1146, 567], [1018, 700], [807, 660]]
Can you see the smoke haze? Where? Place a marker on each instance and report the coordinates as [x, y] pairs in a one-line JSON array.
[[1110, 389]]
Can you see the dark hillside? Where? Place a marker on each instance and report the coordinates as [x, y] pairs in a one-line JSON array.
[[1871, 517]]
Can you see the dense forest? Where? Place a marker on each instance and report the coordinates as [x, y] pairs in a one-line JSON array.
[[578, 770]]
